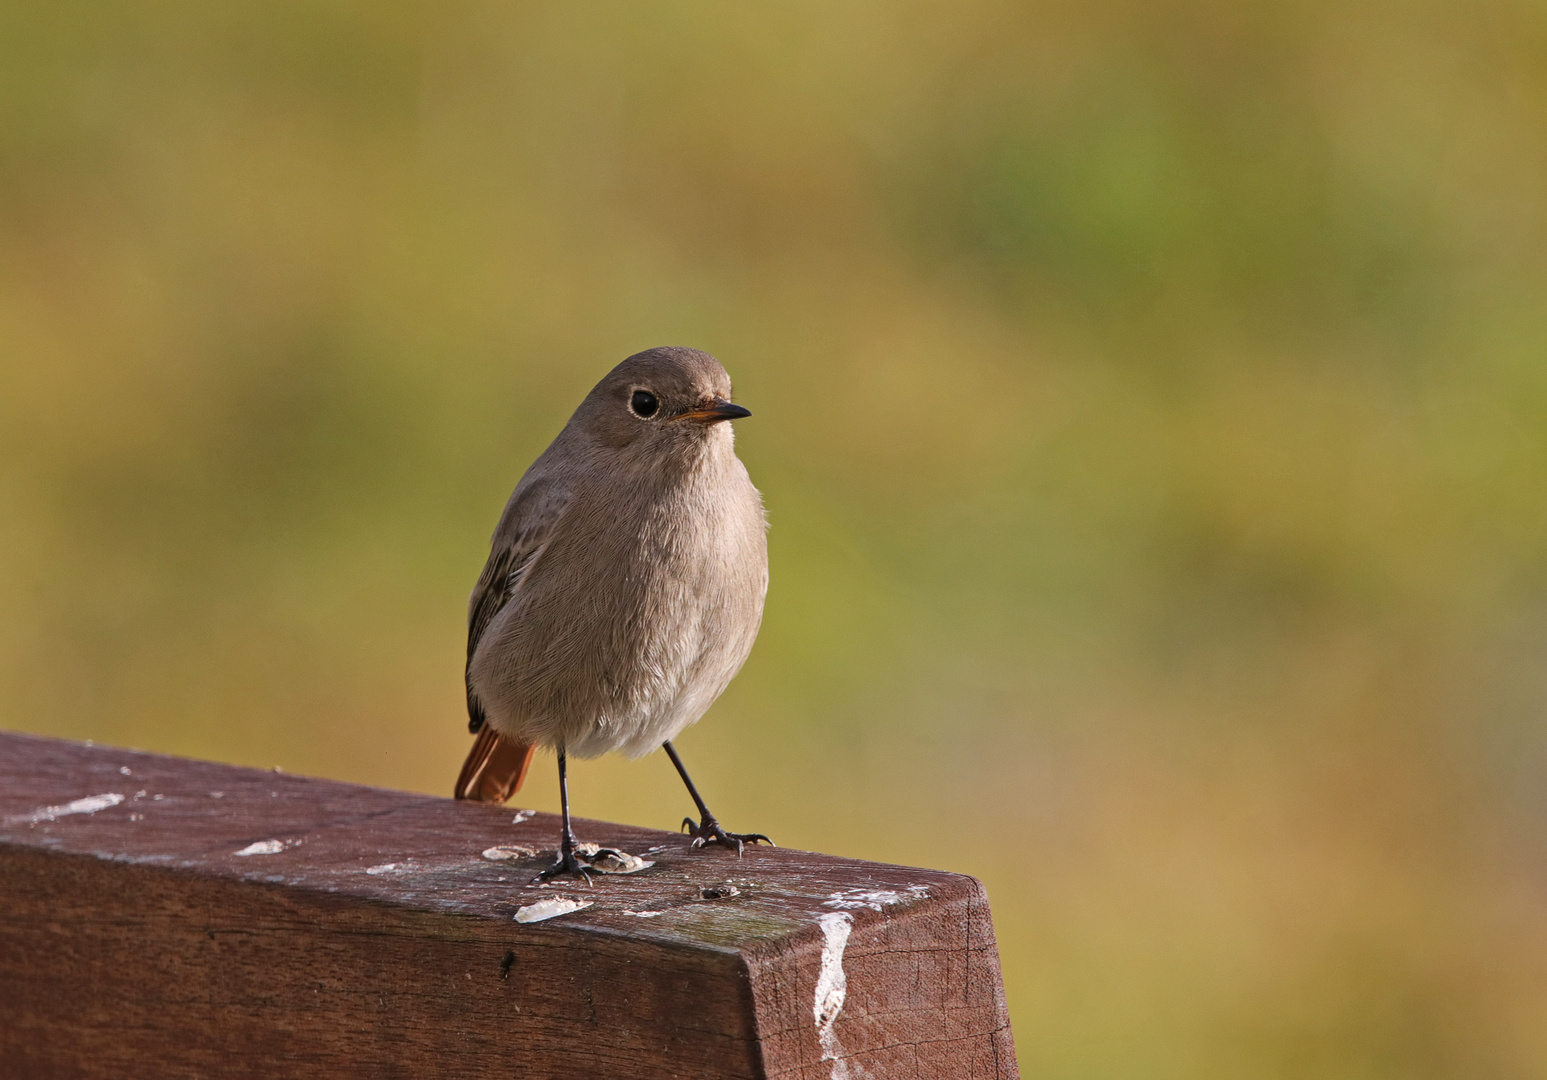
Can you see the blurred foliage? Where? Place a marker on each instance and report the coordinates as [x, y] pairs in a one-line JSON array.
[[1150, 404]]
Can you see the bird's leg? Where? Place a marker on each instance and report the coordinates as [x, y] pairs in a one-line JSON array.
[[568, 862], [708, 830]]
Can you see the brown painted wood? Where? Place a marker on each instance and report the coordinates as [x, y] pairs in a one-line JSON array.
[[380, 942]]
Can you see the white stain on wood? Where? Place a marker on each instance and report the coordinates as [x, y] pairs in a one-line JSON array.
[[508, 851], [874, 899], [550, 908], [266, 847], [89, 805], [832, 988]]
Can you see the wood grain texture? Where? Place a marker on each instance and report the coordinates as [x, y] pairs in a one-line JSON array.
[[378, 941]]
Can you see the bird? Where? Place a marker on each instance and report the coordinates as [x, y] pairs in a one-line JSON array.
[[623, 590]]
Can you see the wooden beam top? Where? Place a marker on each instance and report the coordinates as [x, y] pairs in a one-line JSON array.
[[425, 852]]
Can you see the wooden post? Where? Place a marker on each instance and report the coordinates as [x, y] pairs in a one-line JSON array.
[[171, 918]]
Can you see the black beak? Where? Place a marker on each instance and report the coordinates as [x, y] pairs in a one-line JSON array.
[[715, 410]]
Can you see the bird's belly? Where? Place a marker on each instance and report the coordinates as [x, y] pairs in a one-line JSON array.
[[623, 675]]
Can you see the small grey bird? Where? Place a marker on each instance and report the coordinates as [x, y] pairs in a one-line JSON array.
[[624, 587]]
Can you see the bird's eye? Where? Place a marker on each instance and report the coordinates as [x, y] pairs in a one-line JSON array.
[[643, 403]]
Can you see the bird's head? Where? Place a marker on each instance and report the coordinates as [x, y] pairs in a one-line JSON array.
[[672, 398]]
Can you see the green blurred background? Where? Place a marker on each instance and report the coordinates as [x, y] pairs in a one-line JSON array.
[[1151, 408]]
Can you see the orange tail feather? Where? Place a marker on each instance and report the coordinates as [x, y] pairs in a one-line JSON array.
[[495, 767]]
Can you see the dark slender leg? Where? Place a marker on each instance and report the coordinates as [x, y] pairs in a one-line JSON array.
[[568, 863], [698, 800], [708, 829]]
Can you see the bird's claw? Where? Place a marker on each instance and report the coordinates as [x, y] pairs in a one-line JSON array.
[[710, 831], [571, 862], [568, 863]]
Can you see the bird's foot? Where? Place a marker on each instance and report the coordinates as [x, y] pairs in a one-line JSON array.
[[568, 863], [710, 831], [581, 860]]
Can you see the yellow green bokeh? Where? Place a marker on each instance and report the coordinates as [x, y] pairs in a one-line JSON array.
[[1150, 403]]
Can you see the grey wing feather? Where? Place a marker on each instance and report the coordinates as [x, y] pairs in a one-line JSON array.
[[523, 531]]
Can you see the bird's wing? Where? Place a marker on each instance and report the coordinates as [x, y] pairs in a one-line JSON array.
[[523, 532], [493, 590], [496, 766]]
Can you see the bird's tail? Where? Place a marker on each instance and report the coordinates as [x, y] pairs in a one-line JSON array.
[[494, 768]]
